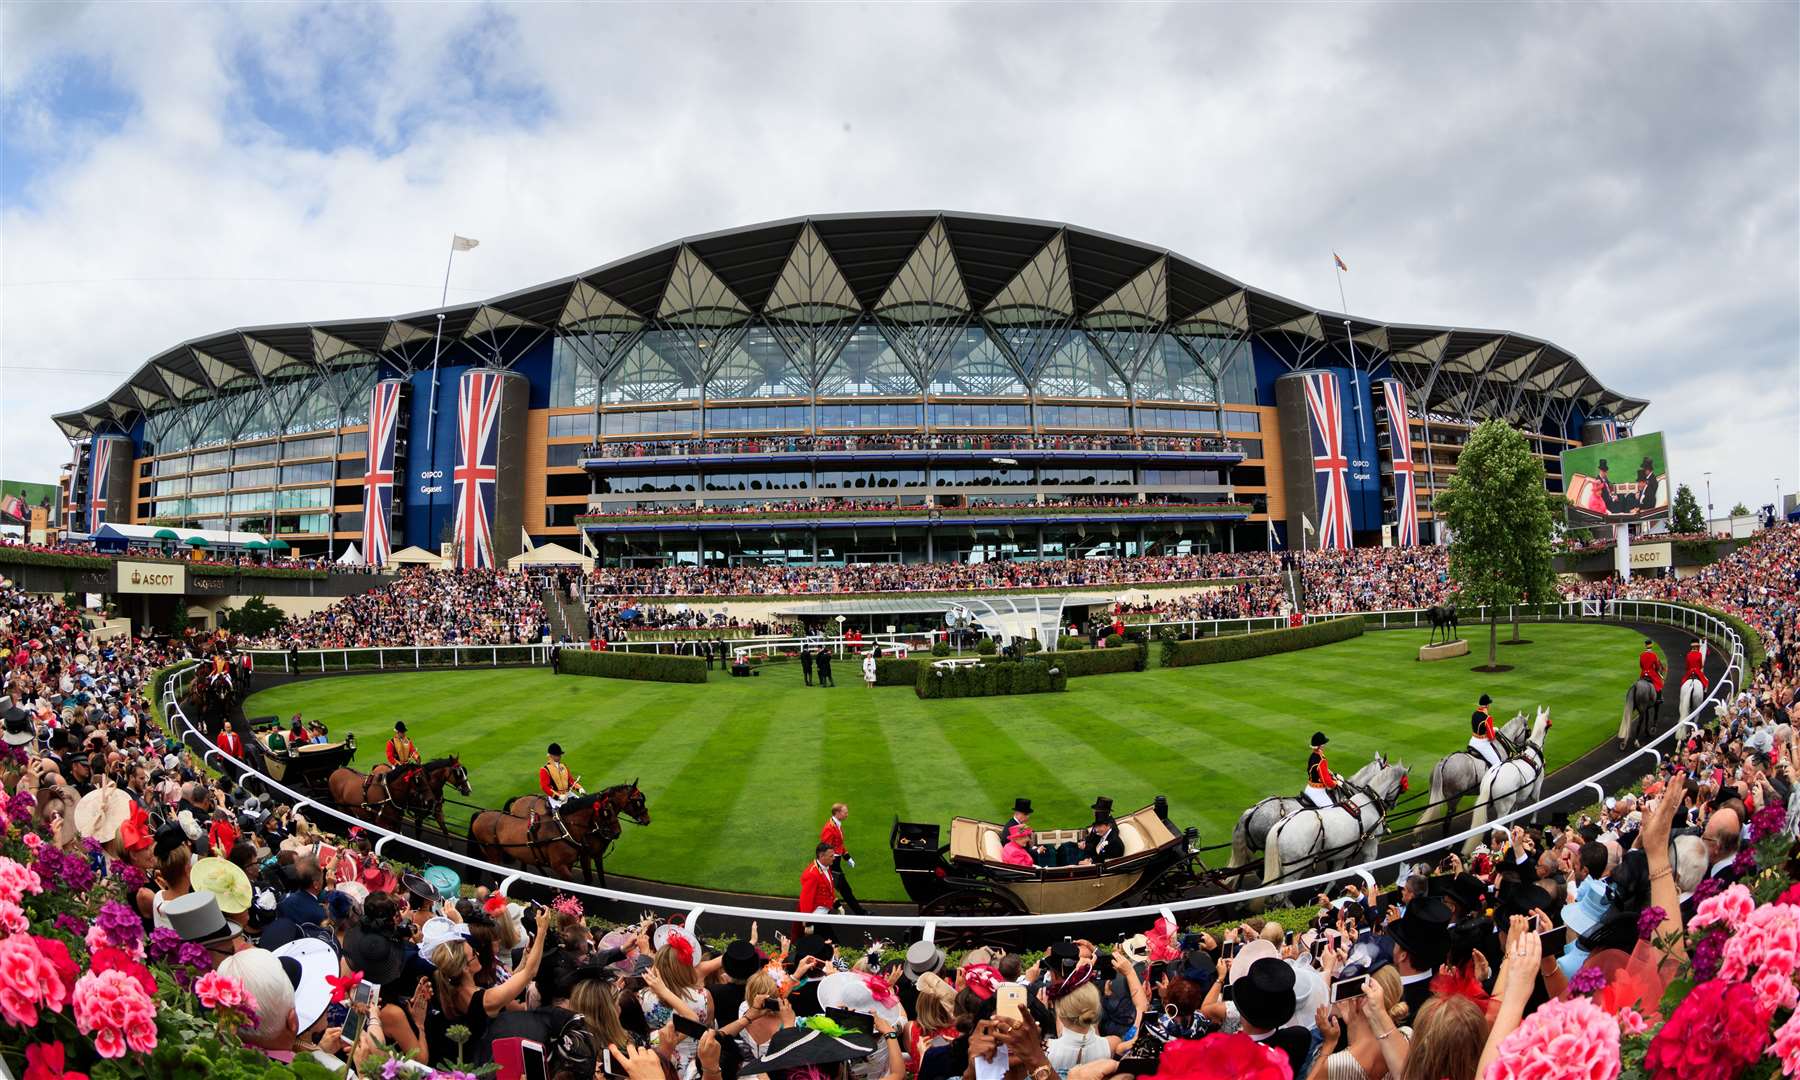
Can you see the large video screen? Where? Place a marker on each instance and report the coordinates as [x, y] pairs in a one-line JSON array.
[[1617, 482]]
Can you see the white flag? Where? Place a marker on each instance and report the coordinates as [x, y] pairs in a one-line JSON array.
[[1306, 524], [462, 243]]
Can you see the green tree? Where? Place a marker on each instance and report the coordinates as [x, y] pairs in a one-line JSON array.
[[1500, 524], [1688, 518], [1739, 510], [256, 618]]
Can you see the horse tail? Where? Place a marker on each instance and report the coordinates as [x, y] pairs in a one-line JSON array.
[[1435, 804], [1272, 868], [1625, 718], [1240, 839]]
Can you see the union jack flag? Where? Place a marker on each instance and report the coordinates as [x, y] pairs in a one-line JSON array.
[[378, 481], [1609, 430], [99, 463], [1331, 469], [1400, 455], [477, 466]]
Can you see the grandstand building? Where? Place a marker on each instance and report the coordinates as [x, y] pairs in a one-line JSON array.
[[845, 388]]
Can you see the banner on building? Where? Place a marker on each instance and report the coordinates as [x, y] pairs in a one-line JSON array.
[[1331, 469], [1400, 459], [158, 578], [99, 469], [477, 467], [378, 481]]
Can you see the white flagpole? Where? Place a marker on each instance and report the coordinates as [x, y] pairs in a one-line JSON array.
[[436, 344], [1362, 421]]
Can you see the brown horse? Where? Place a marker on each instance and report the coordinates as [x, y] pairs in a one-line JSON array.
[[624, 801], [387, 796], [537, 840]]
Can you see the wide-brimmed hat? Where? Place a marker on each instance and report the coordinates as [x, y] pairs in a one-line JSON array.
[[1135, 949], [795, 1047], [196, 917], [922, 957], [1424, 932], [1248, 954], [225, 880], [420, 888], [860, 992], [377, 957], [741, 960], [100, 813], [1588, 909], [1264, 995], [308, 962], [18, 727], [445, 880], [668, 932], [438, 930]]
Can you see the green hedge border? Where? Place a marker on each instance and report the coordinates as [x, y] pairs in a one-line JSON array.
[[26, 557], [1218, 650], [647, 667], [995, 679], [1112, 660]]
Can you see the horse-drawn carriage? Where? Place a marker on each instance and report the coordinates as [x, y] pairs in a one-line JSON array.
[[303, 765], [967, 876]]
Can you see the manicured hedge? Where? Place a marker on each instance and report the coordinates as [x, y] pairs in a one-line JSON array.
[[650, 667], [1754, 653], [893, 672], [1218, 650], [1108, 661], [996, 679]]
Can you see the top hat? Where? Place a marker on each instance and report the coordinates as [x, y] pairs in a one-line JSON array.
[[1424, 932], [811, 945], [1022, 806], [1319, 738], [18, 727], [1102, 805], [923, 957], [741, 960], [196, 917], [1264, 995], [1466, 889]]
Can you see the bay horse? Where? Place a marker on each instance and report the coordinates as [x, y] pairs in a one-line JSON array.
[[537, 840], [626, 802], [1459, 773], [1642, 703], [386, 796], [1443, 617]]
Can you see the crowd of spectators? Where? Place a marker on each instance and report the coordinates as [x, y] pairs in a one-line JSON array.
[[917, 505], [210, 559], [428, 607], [1374, 579], [812, 444]]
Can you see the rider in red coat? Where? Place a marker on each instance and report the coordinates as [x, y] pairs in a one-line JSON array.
[[1696, 666], [1650, 665], [231, 743]]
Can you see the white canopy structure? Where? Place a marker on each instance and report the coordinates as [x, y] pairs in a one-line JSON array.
[[550, 555], [418, 556], [156, 534], [351, 556]]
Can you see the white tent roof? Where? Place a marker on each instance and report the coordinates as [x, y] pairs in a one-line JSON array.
[[147, 534], [351, 556], [550, 555], [418, 556]]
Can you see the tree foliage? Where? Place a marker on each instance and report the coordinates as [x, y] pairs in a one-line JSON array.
[[1501, 523], [256, 618], [1688, 518], [1740, 510]]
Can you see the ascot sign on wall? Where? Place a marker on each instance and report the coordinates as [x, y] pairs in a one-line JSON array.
[[161, 579]]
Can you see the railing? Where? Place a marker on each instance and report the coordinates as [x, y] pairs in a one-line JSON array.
[[1651, 611], [419, 657]]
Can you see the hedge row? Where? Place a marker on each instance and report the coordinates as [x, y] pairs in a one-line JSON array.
[[1218, 650], [991, 679], [890, 671], [649, 667], [1754, 653], [1108, 661], [20, 556]]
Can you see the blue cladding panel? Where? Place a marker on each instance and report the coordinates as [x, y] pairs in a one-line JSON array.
[[429, 513]]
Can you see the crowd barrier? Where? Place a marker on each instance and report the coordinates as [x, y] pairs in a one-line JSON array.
[[1641, 611]]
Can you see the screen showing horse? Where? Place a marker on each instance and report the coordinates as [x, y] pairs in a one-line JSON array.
[[1611, 483]]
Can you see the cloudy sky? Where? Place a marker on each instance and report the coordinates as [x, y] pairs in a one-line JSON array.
[[1623, 181]]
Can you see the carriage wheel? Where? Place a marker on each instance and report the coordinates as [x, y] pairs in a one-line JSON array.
[[975, 901]]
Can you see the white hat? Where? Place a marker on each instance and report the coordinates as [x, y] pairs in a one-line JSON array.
[[436, 931], [670, 930], [1310, 992], [311, 992], [854, 990]]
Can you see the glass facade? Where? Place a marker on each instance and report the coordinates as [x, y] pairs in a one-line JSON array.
[[872, 415], [759, 418], [295, 400]]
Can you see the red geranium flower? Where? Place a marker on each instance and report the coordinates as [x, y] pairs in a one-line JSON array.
[[1715, 1032], [44, 1061], [57, 952], [107, 958]]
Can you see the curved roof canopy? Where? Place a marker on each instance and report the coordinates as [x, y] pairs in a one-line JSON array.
[[912, 269]]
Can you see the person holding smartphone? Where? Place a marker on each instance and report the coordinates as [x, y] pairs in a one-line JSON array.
[[459, 1001]]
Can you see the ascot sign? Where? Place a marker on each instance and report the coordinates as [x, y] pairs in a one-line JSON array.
[[162, 579]]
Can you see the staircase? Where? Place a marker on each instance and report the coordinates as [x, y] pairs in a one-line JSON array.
[[1296, 588], [575, 617]]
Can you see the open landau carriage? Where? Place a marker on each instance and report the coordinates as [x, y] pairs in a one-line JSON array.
[[968, 877], [306, 766]]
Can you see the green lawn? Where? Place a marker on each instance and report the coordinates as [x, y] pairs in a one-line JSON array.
[[740, 773]]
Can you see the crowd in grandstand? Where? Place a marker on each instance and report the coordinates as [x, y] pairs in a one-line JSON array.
[[127, 869], [809, 444], [427, 607], [1374, 579], [877, 503]]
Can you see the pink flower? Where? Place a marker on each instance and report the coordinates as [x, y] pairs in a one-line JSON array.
[[1769, 941], [1632, 1022], [28, 980], [111, 1007], [17, 879], [32, 842], [1730, 907], [1787, 1046], [12, 918], [1563, 1040], [216, 991]]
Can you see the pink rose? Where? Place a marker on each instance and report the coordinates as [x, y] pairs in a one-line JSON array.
[[17, 879], [28, 980], [113, 1008], [216, 990], [1730, 907], [1564, 1040]]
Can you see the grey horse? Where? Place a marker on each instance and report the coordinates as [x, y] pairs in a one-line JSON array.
[[1253, 825], [1459, 774]]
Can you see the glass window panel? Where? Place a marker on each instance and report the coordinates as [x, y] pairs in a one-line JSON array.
[[312, 473], [173, 466], [211, 504], [648, 485], [979, 414], [871, 479], [166, 488], [572, 378], [656, 422], [582, 425], [305, 448], [348, 390], [1170, 373], [976, 367], [353, 442], [1077, 369], [255, 455], [982, 476], [1084, 416], [253, 500], [564, 454], [210, 482], [1082, 477], [868, 365], [218, 459], [654, 370], [248, 478], [302, 498], [302, 523], [757, 366], [1243, 421]]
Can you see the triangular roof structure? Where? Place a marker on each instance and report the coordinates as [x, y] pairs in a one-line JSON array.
[[929, 285]]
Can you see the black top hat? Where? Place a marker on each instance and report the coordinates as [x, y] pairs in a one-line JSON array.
[[811, 945], [377, 957], [18, 727], [1319, 738], [555, 750], [1424, 932], [1265, 994], [1602, 465], [168, 838], [1022, 806], [741, 960], [399, 725], [1485, 700], [1466, 889], [795, 1047], [1102, 805]]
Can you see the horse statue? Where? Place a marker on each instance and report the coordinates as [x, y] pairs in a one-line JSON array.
[[590, 822], [1443, 618], [386, 796], [625, 801], [1253, 825], [1638, 721], [1460, 773], [1322, 840], [1514, 782]]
